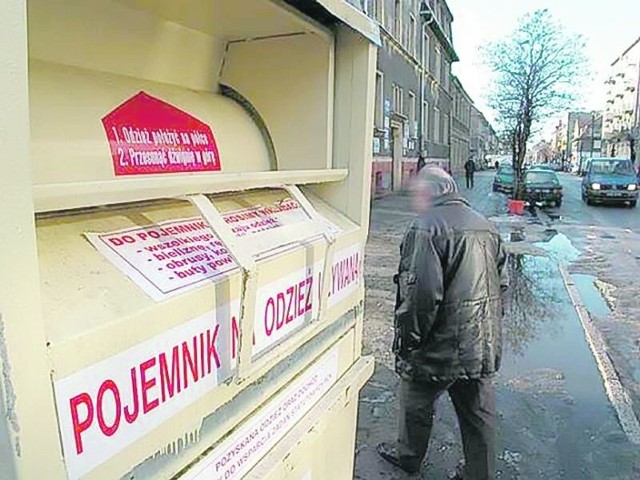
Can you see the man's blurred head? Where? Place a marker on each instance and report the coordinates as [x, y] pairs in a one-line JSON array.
[[430, 185]]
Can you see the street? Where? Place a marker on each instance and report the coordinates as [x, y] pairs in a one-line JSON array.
[[575, 212], [560, 409]]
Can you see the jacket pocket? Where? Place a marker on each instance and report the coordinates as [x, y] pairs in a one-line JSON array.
[[407, 335], [471, 332]]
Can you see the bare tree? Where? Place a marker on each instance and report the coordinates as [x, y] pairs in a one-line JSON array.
[[537, 69]]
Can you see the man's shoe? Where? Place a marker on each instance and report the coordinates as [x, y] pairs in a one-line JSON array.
[[390, 454]]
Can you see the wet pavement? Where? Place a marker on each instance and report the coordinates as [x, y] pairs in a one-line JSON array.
[[555, 419]]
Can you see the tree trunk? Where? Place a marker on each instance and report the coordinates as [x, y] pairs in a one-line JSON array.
[[524, 131], [632, 147]]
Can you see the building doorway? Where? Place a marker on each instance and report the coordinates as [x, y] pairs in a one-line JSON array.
[[396, 156]]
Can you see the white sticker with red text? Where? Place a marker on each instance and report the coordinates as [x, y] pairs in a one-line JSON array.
[[286, 305], [243, 449], [175, 256], [346, 273], [167, 258], [105, 407]]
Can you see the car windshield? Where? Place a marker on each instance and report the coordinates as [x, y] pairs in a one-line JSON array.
[[506, 170], [612, 167], [541, 177]]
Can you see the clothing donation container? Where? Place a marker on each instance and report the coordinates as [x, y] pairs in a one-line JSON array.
[[184, 202]]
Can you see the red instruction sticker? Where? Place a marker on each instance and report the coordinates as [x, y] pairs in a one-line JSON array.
[[148, 136]]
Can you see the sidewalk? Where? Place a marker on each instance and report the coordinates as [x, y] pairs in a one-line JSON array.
[[554, 419]]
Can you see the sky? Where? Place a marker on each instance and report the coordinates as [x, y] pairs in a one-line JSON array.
[[609, 28]]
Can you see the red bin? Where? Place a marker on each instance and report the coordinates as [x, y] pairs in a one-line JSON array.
[[516, 207]]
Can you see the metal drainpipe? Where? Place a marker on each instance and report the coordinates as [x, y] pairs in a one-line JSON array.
[[422, 85]]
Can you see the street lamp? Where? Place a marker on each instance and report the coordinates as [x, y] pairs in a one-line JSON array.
[[426, 16]]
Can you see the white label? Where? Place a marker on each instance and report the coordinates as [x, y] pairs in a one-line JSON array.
[[346, 273], [106, 407], [240, 452], [250, 221], [286, 305], [168, 258], [175, 256]]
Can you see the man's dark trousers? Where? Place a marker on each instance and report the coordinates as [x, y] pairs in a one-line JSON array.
[[474, 401], [470, 180]]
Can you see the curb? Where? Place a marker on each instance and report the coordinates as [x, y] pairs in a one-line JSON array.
[[616, 392]]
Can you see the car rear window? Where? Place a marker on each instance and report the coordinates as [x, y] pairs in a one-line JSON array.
[[541, 177], [612, 167]]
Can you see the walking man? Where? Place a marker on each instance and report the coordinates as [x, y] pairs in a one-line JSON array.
[[448, 318], [421, 162], [470, 170]]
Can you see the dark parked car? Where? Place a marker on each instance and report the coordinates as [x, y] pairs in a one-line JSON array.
[[542, 186], [610, 180], [504, 179]]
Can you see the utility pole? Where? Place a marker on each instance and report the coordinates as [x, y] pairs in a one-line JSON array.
[[593, 120]]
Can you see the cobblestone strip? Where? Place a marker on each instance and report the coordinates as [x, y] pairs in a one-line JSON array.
[[617, 394]]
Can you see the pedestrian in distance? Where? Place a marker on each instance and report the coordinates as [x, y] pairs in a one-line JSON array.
[[470, 170], [448, 325], [421, 162]]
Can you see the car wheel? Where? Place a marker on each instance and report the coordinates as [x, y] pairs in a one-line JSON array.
[[633, 204], [495, 189], [558, 203], [589, 201]]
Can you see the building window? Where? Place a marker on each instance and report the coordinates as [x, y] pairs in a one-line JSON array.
[[446, 129], [412, 35], [397, 20], [397, 99], [447, 75], [413, 128], [425, 50], [436, 125], [378, 10], [425, 120], [437, 71], [378, 116]]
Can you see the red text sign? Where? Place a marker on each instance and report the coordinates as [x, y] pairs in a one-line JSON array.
[[147, 136]]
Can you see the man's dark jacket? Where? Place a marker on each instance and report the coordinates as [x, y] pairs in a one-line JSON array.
[[470, 167], [448, 316]]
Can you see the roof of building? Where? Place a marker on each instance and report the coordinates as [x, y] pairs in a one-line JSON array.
[[626, 51], [456, 81], [437, 29]]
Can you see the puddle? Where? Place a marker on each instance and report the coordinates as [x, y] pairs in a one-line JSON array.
[[545, 331], [560, 248], [590, 295], [548, 361]]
